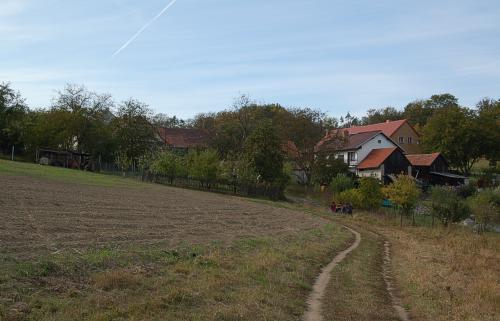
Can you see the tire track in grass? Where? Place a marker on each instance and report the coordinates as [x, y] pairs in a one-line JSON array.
[[313, 312], [396, 301]]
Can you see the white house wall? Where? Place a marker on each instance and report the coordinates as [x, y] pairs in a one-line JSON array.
[[374, 144], [367, 147]]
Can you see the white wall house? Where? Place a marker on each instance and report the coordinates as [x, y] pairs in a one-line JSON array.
[[360, 147]]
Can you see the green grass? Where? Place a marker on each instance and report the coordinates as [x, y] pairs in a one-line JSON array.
[[64, 175], [253, 279]]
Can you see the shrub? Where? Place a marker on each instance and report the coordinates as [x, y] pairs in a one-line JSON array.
[[325, 168], [447, 206], [486, 208], [204, 166], [467, 190], [352, 196], [371, 193], [168, 164], [404, 193], [341, 183]]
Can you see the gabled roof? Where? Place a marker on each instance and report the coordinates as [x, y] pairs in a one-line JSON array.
[[422, 159], [183, 137], [388, 128], [352, 141], [376, 158]]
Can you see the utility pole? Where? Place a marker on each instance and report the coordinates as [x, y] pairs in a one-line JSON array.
[[12, 156]]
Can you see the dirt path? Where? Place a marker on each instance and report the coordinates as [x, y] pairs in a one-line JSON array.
[[396, 301], [314, 301]]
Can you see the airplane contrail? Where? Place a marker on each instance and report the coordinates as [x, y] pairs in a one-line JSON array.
[[150, 22]]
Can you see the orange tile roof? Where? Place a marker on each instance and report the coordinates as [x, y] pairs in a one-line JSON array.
[[422, 159], [376, 157], [388, 128], [183, 137]]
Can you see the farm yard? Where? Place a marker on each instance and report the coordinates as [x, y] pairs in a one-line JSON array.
[[82, 246]]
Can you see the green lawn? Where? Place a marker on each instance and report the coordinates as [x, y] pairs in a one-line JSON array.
[[63, 174]]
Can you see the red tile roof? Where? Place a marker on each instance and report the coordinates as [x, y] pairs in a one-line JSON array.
[[422, 159], [376, 158], [183, 137], [388, 128]]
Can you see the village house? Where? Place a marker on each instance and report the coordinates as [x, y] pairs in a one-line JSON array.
[[399, 131], [181, 140]]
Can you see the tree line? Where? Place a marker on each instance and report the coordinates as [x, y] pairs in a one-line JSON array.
[[247, 132]]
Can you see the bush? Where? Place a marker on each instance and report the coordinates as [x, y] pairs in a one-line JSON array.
[[168, 164], [341, 183], [447, 206], [371, 193], [404, 193], [486, 208], [467, 190], [325, 168], [352, 196], [204, 166]]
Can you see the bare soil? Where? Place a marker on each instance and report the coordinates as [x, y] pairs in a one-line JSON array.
[[38, 215]]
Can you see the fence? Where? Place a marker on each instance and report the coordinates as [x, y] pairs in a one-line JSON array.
[[232, 187]]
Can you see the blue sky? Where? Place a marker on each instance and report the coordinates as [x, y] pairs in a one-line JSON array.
[[337, 56]]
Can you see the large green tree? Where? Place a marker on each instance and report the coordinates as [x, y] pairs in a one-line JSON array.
[[489, 124], [374, 116], [13, 111], [263, 149], [134, 132], [455, 132]]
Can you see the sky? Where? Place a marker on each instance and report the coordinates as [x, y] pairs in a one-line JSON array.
[[199, 55]]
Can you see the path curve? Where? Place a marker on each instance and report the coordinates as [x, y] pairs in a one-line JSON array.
[[313, 312]]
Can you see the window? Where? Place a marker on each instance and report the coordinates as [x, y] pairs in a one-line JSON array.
[[380, 141], [351, 156], [340, 156], [401, 139], [418, 142], [409, 140]]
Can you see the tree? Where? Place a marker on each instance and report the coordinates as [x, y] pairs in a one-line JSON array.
[[371, 193], [133, 131], [455, 133], [264, 153], [13, 111], [162, 120], [489, 124], [168, 164], [340, 183], [420, 111], [204, 166], [81, 118], [305, 127], [447, 206], [375, 116], [326, 167], [404, 193]]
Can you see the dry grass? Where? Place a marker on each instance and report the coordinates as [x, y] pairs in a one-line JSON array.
[[443, 274], [252, 279], [357, 290]]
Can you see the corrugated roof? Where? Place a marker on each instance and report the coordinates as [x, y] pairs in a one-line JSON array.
[[184, 137], [376, 157], [422, 159], [388, 128]]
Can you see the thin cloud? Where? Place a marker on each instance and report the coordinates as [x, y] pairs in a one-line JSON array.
[[138, 33]]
